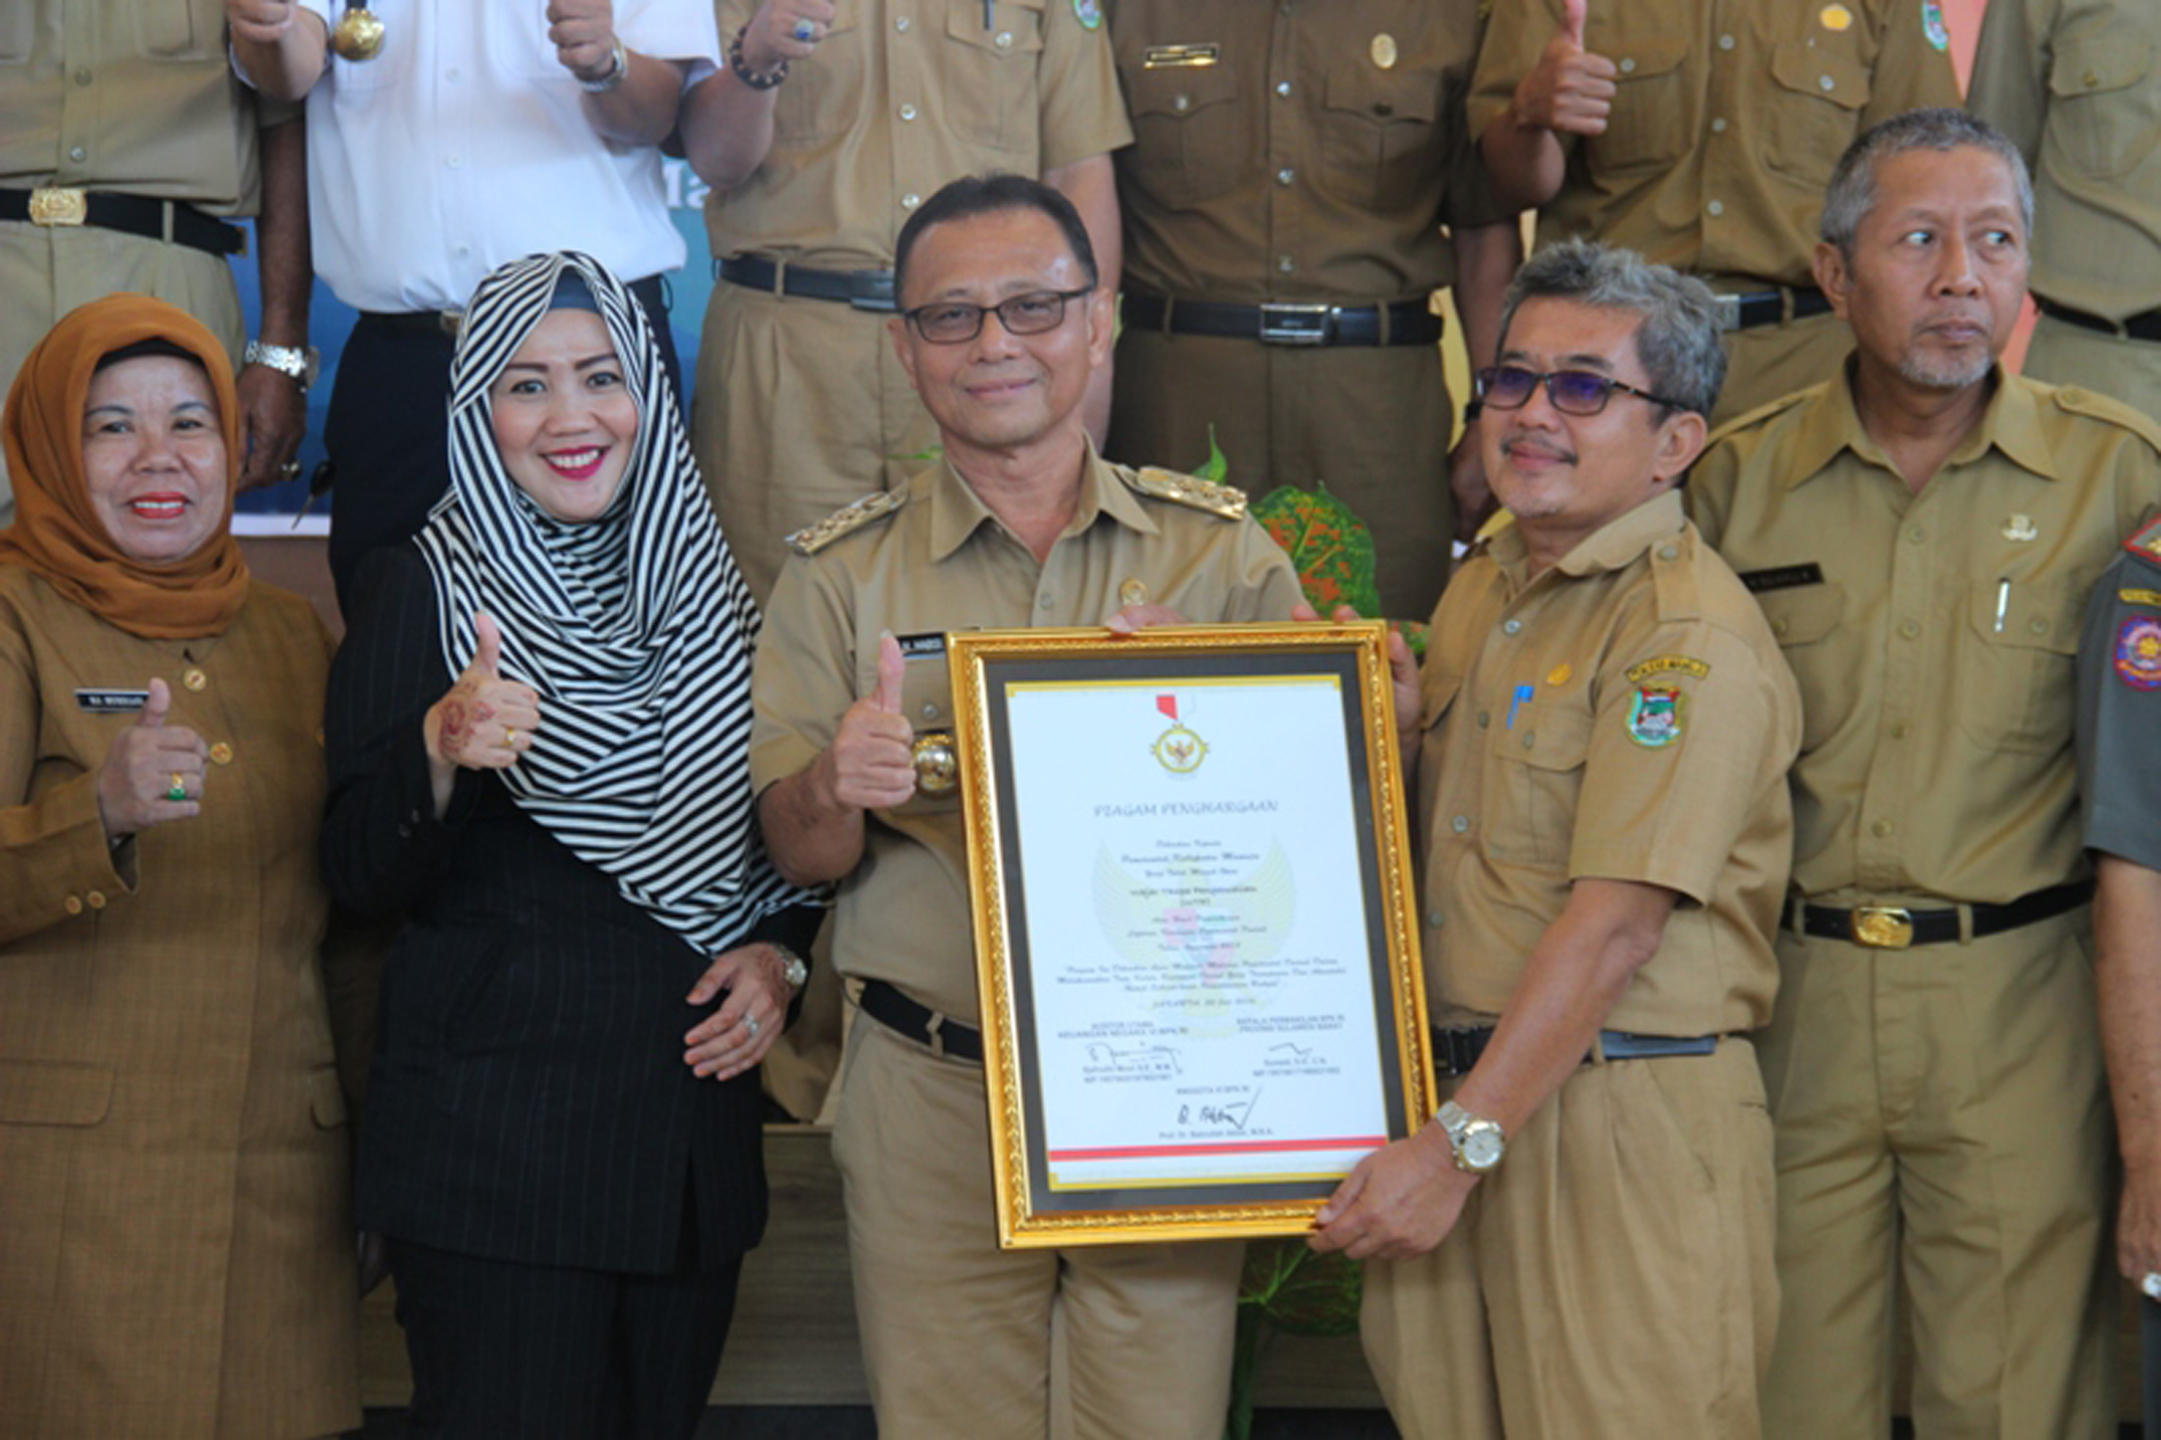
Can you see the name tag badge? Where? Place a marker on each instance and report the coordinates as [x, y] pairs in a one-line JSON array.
[[112, 702], [917, 647], [1782, 577], [1180, 57]]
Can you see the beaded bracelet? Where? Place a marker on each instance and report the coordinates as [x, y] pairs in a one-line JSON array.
[[747, 75]]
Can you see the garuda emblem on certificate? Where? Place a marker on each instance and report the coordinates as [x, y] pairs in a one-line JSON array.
[[1178, 749]]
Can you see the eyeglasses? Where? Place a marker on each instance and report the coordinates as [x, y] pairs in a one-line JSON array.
[[950, 322], [1573, 392]]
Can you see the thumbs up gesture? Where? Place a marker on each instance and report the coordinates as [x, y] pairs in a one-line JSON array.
[[871, 764], [1569, 90], [485, 722], [148, 764]]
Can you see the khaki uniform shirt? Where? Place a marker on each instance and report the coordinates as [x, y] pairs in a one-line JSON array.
[[2119, 705], [1310, 150], [1933, 635], [903, 96], [2076, 84], [1623, 716], [1729, 117], [942, 562]]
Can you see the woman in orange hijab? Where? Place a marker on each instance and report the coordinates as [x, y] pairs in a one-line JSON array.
[[175, 1254]]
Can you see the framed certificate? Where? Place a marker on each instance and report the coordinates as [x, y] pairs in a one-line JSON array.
[[1190, 874]]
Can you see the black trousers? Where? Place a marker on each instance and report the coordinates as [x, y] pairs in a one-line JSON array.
[[388, 430], [502, 1349]]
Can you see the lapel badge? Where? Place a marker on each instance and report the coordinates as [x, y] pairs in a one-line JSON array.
[[1133, 592], [1384, 50], [937, 763], [2021, 528]]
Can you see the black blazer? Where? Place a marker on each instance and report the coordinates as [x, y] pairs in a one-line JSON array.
[[528, 1099]]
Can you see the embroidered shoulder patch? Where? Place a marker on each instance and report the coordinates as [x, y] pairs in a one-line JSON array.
[[1090, 13], [2146, 541], [1932, 25], [846, 521], [2138, 653], [2150, 598], [1667, 665], [1189, 490], [1654, 716]]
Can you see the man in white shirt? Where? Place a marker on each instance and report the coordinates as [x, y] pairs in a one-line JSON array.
[[472, 135]]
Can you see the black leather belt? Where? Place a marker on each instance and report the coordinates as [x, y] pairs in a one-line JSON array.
[[1892, 927], [427, 322], [1456, 1051], [864, 289], [1746, 312], [2145, 326], [1409, 322], [943, 1034], [63, 206]]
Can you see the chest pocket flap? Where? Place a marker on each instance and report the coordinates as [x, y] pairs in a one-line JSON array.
[[2100, 64], [36, 1092], [1826, 74], [1179, 91], [1383, 95], [1551, 733], [1803, 615]]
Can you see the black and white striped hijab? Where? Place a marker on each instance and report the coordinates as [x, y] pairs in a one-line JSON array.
[[635, 628]]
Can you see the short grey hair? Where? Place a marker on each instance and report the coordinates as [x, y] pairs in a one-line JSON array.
[[1852, 191], [1678, 338]]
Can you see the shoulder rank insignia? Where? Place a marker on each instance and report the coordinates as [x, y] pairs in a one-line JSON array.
[[2138, 653], [1667, 665], [2146, 541], [846, 521], [1224, 501]]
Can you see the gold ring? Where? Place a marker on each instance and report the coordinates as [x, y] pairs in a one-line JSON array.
[[180, 787], [510, 736]]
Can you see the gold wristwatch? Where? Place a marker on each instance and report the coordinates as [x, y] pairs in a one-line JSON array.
[[1478, 1143]]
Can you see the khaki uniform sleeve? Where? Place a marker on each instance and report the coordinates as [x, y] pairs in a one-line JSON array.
[[1083, 111], [2010, 75], [1676, 768], [2119, 714], [1910, 71], [803, 679], [1268, 587]]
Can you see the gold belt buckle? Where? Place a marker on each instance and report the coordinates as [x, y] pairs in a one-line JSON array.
[[1882, 927], [52, 205]]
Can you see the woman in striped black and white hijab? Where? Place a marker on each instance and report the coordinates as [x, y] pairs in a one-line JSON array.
[[593, 935]]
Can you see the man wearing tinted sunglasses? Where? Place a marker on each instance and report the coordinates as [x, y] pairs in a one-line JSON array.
[[1581, 1243], [1922, 531]]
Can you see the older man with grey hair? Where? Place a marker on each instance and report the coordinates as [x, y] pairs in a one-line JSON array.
[[1922, 530], [1599, 743]]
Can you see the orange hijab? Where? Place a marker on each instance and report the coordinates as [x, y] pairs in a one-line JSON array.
[[57, 533]]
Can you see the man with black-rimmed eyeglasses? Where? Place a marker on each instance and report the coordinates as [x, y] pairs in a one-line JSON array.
[[1002, 322], [1580, 1244]]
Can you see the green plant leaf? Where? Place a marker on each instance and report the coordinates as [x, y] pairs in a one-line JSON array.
[[1301, 1291], [1329, 546]]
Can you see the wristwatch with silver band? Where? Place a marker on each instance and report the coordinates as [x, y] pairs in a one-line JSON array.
[[1477, 1142]]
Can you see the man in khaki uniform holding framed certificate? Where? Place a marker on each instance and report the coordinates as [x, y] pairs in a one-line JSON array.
[[1283, 200], [801, 406], [1004, 323], [1702, 135], [1581, 1243], [2078, 88], [1922, 531]]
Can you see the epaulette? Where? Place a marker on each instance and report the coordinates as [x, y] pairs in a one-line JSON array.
[[846, 520], [1673, 578], [1748, 419], [1226, 502], [2080, 401], [2145, 542]]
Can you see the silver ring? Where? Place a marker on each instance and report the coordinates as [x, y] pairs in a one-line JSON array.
[[289, 468], [750, 1023], [2151, 1284], [806, 31]]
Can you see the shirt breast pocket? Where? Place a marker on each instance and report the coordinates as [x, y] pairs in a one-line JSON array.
[[1189, 140], [1380, 143], [2017, 683], [1815, 104], [173, 29], [2104, 104], [1801, 620], [926, 703], [990, 75], [822, 94], [1537, 771], [1650, 122]]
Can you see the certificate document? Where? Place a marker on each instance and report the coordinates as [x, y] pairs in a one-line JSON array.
[[1197, 971]]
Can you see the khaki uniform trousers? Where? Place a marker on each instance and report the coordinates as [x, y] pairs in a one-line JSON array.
[[1612, 1278], [801, 408], [2126, 370], [1942, 1109], [44, 273], [1767, 362], [956, 1332], [1372, 424]]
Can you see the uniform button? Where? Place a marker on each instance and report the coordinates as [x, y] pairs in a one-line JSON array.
[[1004, 40], [78, 154], [453, 74], [1286, 264], [1780, 626], [1718, 126], [1827, 82], [222, 753], [910, 200], [1283, 88], [1909, 628], [1883, 828], [2038, 625], [1667, 552], [1717, 208], [1915, 534], [1461, 824], [73, 905], [1725, 42], [1530, 739], [930, 712], [2089, 80], [1181, 104], [195, 679], [907, 112], [95, 899], [900, 23], [462, 251], [1044, 603], [1628, 65], [1433, 920], [1485, 718], [1286, 175], [82, 76], [454, 161], [1511, 627], [1900, 729]]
